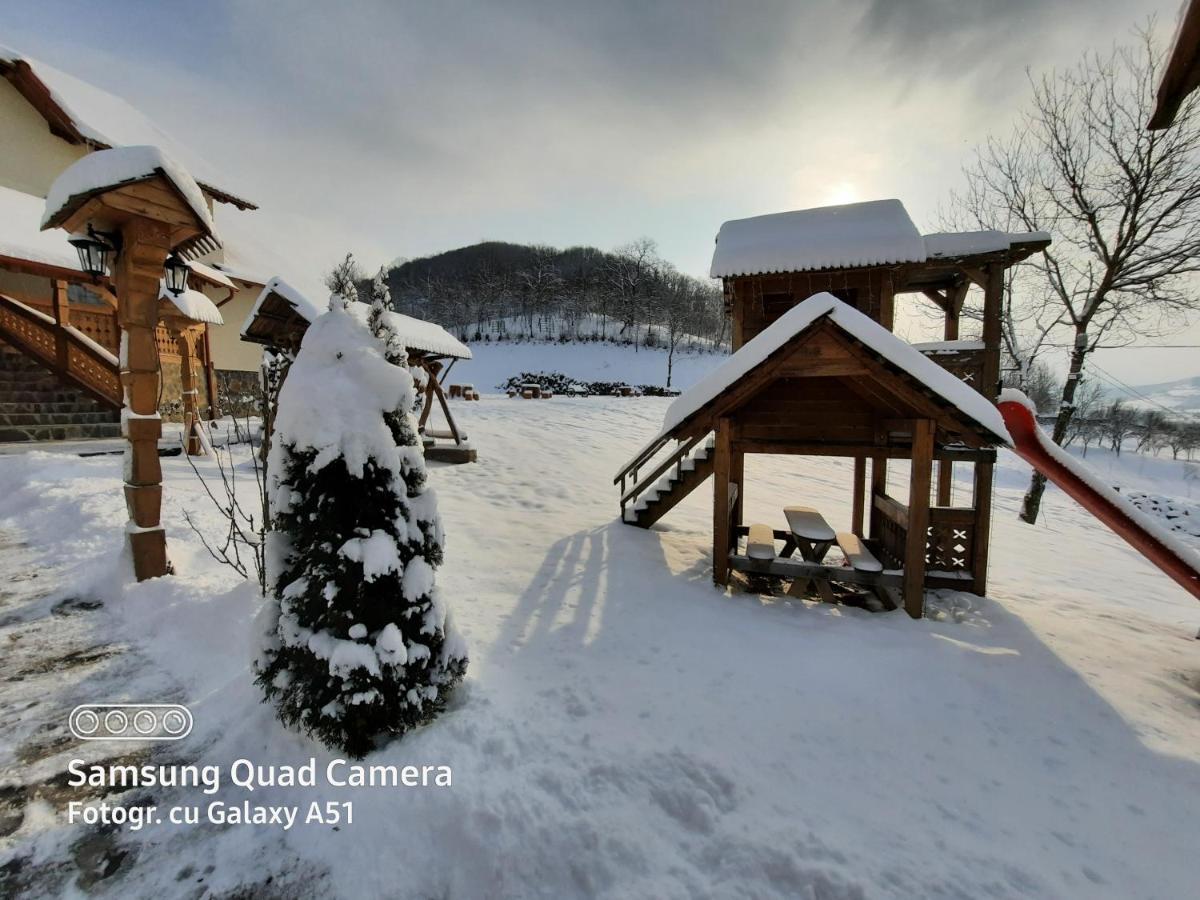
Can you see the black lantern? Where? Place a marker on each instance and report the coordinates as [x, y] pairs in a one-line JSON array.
[[175, 274], [96, 249]]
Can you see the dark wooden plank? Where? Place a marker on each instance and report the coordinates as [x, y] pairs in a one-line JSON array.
[[918, 518]]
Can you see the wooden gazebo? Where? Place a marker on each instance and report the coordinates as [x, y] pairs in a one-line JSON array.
[[816, 371], [281, 316]]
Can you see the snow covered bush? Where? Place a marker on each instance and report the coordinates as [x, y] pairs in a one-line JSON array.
[[358, 643]]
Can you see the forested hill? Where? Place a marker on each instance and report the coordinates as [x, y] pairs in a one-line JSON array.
[[500, 291]]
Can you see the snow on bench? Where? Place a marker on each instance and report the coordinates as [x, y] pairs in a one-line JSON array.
[[760, 544], [857, 554], [805, 522]]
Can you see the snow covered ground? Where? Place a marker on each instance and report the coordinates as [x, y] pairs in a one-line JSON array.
[[626, 729]]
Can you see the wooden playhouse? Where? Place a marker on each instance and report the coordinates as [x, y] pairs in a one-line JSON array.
[[816, 371]]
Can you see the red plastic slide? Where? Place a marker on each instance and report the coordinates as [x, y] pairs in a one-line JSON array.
[[1077, 480]]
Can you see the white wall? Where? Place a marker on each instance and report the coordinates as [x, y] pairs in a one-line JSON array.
[[30, 156], [228, 349]]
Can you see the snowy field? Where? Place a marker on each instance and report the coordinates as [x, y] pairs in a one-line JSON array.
[[626, 729], [494, 364]]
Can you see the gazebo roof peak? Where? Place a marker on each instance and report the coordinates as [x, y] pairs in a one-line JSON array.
[[111, 170]]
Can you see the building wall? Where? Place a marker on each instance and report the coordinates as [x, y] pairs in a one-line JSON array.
[[30, 156], [229, 351]]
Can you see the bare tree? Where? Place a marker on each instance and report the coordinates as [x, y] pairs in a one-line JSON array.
[[1120, 423], [1122, 204]]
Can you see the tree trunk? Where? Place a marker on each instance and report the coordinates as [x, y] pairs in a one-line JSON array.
[[1032, 504]]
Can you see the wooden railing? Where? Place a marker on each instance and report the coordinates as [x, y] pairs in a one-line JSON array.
[[967, 363], [61, 350], [949, 541]]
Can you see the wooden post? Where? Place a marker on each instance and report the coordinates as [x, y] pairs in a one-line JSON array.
[[860, 489], [887, 302], [737, 475], [981, 527], [878, 486], [993, 298], [210, 375], [185, 340], [945, 481], [918, 517], [722, 534], [136, 278], [62, 315], [955, 297]]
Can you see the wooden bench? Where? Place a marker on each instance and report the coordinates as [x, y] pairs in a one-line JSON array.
[[860, 558], [760, 542]]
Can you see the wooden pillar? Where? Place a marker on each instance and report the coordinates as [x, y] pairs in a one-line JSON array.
[[860, 489], [993, 298], [136, 278], [878, 486], [722, 534], [887, 302], [955, 297], [186, 341], [981, 527], [737, 475], [740, 299], [918, 517], [62, 315], [945, 481], [210, 376]]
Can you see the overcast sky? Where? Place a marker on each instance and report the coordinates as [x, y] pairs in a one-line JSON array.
[[402, 129]]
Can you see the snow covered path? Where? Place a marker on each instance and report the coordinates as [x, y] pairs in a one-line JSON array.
[[628, 730]]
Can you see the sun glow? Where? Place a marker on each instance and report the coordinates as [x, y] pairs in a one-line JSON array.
[[841, 192]]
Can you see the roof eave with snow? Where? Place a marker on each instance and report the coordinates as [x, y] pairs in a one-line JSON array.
[[81, 113], [799, 319], [852, 236]]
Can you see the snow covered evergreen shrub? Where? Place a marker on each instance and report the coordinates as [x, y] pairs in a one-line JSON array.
[[358, 642]]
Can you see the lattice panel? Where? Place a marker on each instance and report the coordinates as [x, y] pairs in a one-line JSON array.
[[100, 375], [949, 548], [966, 365], [101, 327], [37, 337]]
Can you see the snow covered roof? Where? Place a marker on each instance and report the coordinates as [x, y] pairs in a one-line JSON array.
[[106, 169], [21, 236], [193, 304], [207, 272], [877, 232], [83, 113], [798, 319], [945, 245], [415, 334], [304, 307]]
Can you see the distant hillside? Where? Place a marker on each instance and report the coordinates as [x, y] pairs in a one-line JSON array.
[[496, 291], [1181, 395]]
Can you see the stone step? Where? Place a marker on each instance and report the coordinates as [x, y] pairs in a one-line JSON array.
[[59, 432], [52, 406], [21, 419], [47, 396]]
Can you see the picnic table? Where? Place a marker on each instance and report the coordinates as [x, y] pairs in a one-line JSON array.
[[811, 534]]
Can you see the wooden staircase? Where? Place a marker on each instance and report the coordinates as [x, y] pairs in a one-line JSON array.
[[74, 358], [686, 467]]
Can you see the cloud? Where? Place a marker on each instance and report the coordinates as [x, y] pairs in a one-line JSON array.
[[406, 128]]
